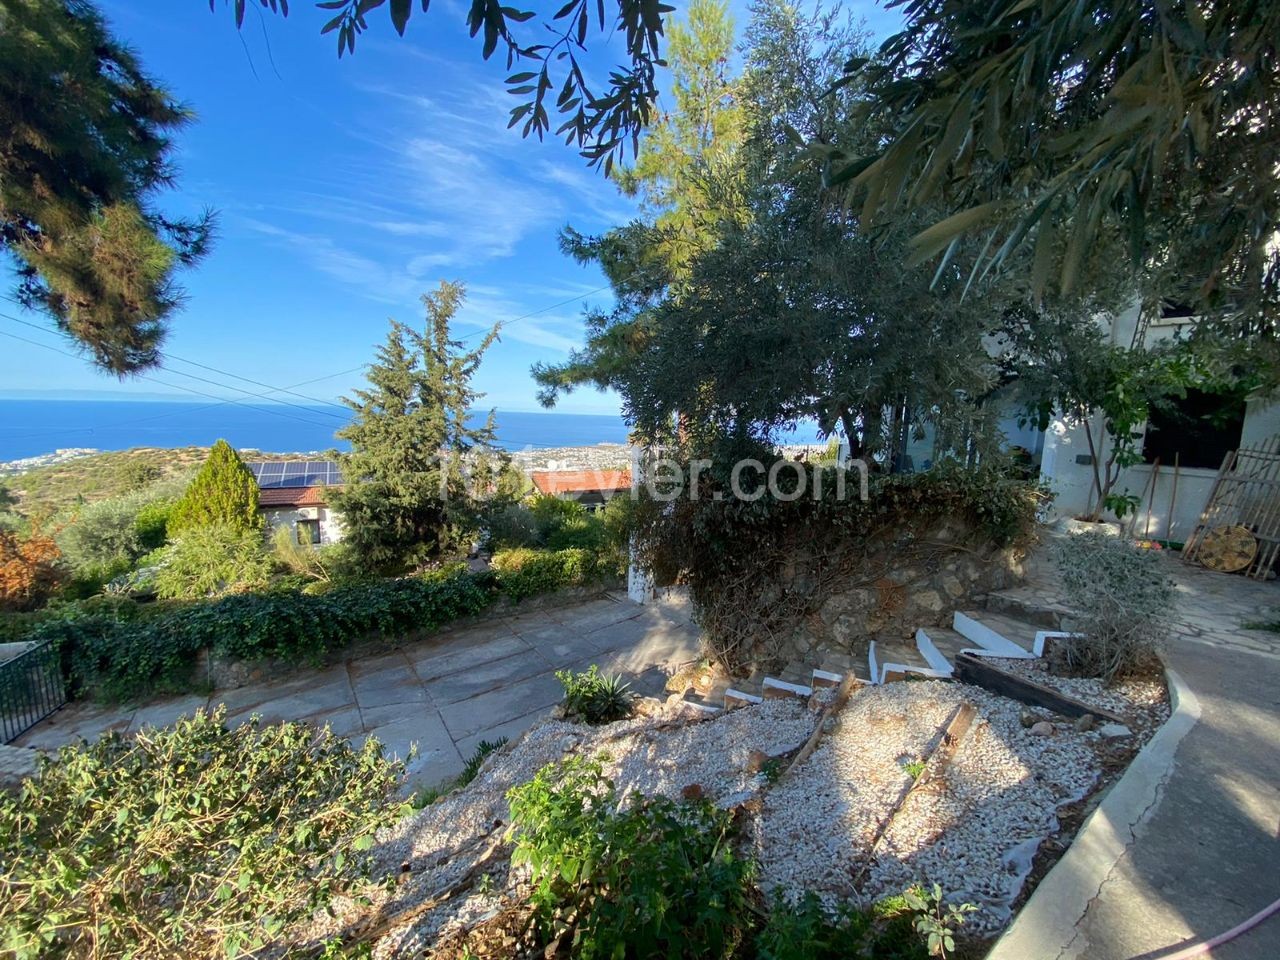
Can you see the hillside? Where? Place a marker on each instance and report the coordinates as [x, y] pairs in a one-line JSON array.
[[44, 491]]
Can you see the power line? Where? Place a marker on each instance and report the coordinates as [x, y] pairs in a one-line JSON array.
[[192, 376], [175, 386], [563, 303]]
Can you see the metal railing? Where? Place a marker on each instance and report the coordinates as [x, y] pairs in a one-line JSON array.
[[31, 688]]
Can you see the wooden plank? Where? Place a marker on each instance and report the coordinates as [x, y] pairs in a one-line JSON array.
[[944, 747], [847, 686], [982, 673]]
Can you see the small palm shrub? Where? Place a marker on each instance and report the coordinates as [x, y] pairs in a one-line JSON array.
[[193, 841], [594, 698], [657, 879], [1126, 604]]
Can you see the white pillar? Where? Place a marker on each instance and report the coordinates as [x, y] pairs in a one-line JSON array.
[[639, 580]]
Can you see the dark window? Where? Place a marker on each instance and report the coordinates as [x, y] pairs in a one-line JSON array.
[[308, 531], [1198, 429]]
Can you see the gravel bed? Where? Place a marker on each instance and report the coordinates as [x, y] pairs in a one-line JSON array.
[[973, 830], [659, 754], [1143, 702]]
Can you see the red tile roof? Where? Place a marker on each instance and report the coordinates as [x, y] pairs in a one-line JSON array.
[[580, 481], [292, 497]]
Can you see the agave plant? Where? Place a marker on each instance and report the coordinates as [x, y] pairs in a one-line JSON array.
[[595, 698]]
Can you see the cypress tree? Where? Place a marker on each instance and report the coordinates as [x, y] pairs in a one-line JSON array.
[[222, 492], [405, 500]]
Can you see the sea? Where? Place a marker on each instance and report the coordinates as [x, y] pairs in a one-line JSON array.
[[30, 428]]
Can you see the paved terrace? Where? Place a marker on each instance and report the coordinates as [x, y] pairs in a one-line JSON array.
[[444, 694]]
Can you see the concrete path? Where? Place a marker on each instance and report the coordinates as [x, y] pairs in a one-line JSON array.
[[445, 694], [1187, 844]]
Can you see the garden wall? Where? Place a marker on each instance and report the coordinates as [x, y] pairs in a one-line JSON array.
[[893, 585]]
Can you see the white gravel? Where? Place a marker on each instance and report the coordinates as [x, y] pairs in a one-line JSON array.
[[1143, 703], [662, 753], [973, 829]]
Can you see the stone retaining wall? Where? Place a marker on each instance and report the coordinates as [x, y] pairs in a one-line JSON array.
[[942, 570]]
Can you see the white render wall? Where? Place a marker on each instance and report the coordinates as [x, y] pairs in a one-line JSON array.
[[1170, 519], [330, 521]]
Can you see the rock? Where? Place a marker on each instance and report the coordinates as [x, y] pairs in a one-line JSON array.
[[1085, 723], [1027, 719], [693, 791], [756, 760], [1042, 728], [1114, 730]]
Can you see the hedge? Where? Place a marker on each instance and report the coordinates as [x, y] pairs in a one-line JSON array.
[[129, 658]]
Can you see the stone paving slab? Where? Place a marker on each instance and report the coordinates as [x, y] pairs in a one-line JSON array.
[[445, 693], [495, 675], [509, 729], [490, 709], [460, 656]]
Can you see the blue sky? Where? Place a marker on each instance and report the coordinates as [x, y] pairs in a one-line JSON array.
[[344, 190]]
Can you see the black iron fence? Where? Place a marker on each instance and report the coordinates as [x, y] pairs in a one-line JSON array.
[[31, 688]]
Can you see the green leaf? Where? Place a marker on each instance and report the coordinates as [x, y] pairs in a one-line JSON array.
[[400, 10], [928, 243]]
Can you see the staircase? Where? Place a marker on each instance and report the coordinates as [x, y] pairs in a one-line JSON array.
[[1008, 625]]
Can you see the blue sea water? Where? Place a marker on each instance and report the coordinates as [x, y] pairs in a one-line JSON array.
[[29, 428]]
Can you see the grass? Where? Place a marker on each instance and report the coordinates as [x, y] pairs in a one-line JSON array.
[[426, 796]]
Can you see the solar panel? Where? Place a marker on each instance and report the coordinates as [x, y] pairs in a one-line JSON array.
[[292, 474]]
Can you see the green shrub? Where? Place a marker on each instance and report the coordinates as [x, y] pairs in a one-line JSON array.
[[152, 524], [594, 698], [213, 560], [89, 580], [618, 518], [808, 931], [123, 660], [525, 573], [1126, 603], [512, 525], [101, 535], [113, 533], [657, 879], [579, 533], [223, 492], [193, 841]]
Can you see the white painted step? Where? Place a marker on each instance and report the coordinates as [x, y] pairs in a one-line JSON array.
[[893, 659], [939, 646], [772, 688], [997, 635]]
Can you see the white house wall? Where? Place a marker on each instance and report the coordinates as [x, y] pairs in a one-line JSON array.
[[1170, 519], [330, 522]]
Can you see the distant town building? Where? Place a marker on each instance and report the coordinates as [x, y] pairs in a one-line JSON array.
[[294, 494], [591, 488]]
